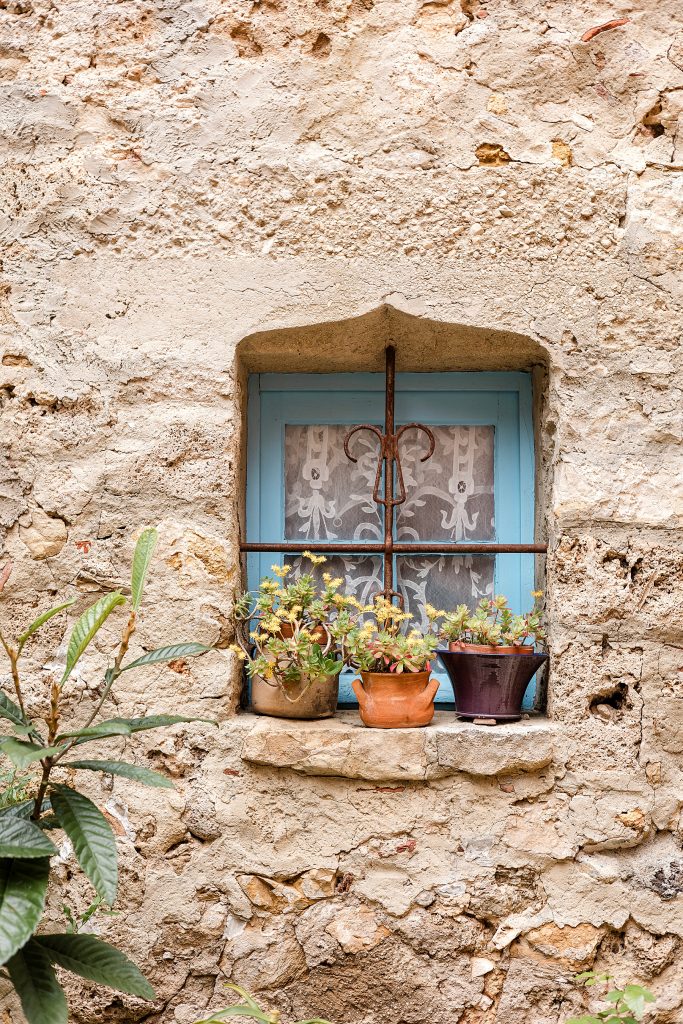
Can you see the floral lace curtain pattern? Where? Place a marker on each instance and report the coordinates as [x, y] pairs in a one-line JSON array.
[[449, 498]]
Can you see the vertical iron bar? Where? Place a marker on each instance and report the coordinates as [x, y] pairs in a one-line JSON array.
[[389, 428]]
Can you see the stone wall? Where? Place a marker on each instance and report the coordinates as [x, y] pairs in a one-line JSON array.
[[180, 178]]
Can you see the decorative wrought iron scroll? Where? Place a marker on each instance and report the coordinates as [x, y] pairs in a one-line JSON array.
[[389, 492]]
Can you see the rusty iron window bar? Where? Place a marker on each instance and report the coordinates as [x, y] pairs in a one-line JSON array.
[[388, 496]]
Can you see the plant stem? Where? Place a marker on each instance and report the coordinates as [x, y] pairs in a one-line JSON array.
[[125, 640], [42, 788], [111, 676], [13, 660], [48, 762], [15, 679]]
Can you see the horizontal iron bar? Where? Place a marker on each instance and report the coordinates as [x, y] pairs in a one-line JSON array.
[[399, 549]]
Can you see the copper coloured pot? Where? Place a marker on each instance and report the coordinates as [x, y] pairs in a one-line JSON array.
[[459, 645], [395, 700]]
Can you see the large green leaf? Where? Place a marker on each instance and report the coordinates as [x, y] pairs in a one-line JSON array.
[[86, 628], [144, 549], [92, 838], [128, 771], [37, 623], [110, 727], [24, 810], [187, 650], [126, 726], [248, 999], [22, 754], [35, 981], [23, 884], [22, 838], [24, 730], [10, 711], [635, 997], [96, 960]]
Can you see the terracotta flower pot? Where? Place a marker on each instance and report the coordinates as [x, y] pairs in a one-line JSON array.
[[490, 684], [458, 645], [391, 700], [317, 700]]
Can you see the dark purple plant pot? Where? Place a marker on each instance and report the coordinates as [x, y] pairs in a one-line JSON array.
[[490, 685]]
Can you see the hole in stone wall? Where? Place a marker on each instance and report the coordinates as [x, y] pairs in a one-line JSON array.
[[612, 943], [470, 8], [636, 568], [667, 880], [246, 45], [322, 46], [615, 556], [652, 122], [16, 7], [607, 705], [342, 883]]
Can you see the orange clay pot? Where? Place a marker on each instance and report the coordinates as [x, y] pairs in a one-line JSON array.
[[458, 645], [390, 700]]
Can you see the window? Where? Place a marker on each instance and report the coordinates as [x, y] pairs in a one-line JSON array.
[[477, 487]]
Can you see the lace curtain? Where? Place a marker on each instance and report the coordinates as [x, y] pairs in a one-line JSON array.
[[450, 497]]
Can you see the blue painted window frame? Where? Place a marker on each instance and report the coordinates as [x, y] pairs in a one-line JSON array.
[[501, 399]]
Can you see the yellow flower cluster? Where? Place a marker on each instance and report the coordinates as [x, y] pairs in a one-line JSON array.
[[433, 613], [385, 611], [281, 570], [315, 559]]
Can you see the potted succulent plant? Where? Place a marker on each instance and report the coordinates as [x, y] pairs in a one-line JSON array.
[[289, 633], [490, 659], [492, 628], [395, 690]]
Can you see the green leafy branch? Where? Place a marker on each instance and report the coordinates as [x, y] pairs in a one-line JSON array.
[[627, 1005], [26, 849]]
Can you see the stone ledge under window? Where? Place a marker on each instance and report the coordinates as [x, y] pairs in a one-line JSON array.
[[342, 746]]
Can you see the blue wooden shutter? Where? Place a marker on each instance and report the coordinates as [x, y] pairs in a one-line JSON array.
[[500, 400]]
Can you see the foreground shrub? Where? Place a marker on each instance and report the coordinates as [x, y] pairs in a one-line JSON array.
[[35, 802]]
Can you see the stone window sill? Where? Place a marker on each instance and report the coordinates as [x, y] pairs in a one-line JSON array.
[[343, 746]]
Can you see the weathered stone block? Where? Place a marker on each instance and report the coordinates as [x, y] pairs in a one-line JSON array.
[[343, 746]]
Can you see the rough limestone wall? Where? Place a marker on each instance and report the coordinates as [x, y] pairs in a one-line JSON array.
[[177, 175]]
